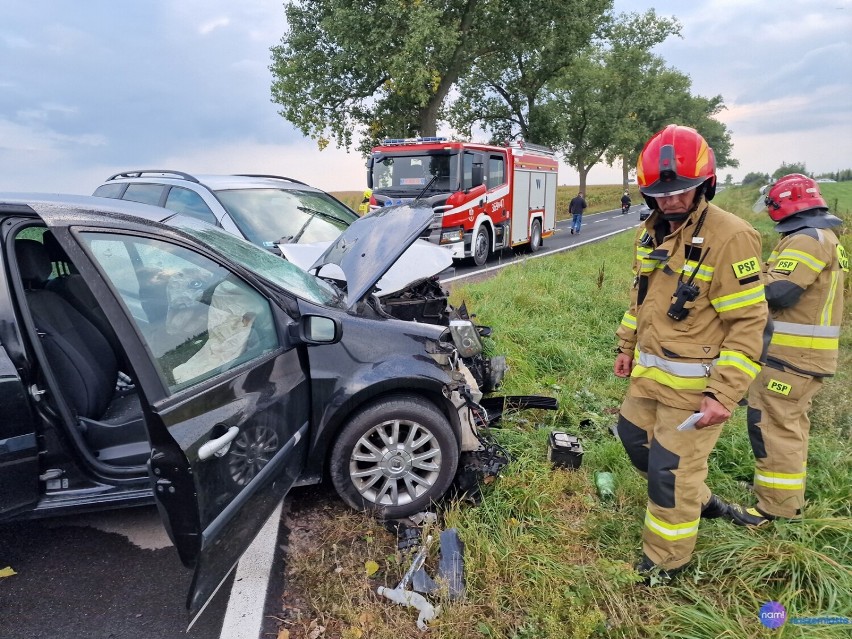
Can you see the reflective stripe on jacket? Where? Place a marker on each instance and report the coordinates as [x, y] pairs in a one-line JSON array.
[[804, 279], [718, 346]]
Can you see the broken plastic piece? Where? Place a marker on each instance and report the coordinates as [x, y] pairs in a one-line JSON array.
[[423, 583], [416, 564], [414, 600], [424, 517], [451, 563], [566, 451]]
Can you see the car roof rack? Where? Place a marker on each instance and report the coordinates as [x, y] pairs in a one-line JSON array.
[[273, 177], [141, 172]]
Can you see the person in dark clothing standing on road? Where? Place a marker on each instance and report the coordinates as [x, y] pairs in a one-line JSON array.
[[576, 208]]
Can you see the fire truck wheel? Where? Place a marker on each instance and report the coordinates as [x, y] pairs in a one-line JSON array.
[[395, 457], [535, 236], [481, 246]]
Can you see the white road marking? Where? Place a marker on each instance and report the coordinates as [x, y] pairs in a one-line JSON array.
[[541, 254], [244, 615]]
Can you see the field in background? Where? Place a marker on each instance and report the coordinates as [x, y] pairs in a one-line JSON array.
[[599, 197], [545, 558]]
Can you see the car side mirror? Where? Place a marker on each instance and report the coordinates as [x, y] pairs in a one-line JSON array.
[[370, 162], [316, 329]]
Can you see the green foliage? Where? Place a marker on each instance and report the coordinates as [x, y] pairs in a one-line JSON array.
[[786, 169], [756, 178], [386, 68]]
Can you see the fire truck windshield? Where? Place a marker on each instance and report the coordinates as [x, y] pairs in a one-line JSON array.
[[407, 174]]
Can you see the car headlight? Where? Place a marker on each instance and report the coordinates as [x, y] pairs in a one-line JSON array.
[[465, 337], [456, 235]]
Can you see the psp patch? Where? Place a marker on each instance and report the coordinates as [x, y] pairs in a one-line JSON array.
[[779, 387], [746, 268], [785, 266], [843, 258]]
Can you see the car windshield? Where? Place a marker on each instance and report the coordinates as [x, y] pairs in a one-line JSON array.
[[271, 216], [414, 172], [269, 266]]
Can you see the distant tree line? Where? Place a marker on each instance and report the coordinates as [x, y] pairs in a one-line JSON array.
[[570, 74], [844, 175]]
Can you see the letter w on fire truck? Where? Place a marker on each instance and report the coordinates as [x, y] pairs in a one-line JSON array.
[[485, 197]]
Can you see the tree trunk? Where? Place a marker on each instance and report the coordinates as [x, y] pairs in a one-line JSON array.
[[625, 172], [584, 173], [429, 117]]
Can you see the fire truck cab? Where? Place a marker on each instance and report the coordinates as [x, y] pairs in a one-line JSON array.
[[485, 197]]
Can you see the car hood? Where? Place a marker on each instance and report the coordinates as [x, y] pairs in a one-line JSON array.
[[368, 249], [422, 259]]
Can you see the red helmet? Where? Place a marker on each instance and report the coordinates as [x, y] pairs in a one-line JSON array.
[[675, 160], [793, 194]]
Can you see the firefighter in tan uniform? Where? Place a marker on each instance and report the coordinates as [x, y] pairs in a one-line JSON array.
[[690, 342], [804, 288]]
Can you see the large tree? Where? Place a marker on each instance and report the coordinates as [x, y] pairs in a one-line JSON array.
[[386, 67], [594, 104], [505, 90]]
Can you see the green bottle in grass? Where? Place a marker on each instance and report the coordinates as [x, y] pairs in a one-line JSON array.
[[605, 483]]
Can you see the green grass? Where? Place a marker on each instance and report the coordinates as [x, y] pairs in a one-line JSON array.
[[545, 558]]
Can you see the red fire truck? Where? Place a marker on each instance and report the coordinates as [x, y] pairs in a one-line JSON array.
[[485, 197]]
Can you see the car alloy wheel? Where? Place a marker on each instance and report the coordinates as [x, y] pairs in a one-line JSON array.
[[395, 458]]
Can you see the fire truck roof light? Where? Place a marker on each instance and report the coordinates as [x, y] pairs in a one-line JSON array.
[[400, 141]]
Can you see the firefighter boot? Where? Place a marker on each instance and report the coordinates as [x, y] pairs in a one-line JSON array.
[[750, 517], [649, 570], [715, 507]]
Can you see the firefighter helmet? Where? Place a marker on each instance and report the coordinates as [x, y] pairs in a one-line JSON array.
[[794, 202], [675, 160], [793, 194]]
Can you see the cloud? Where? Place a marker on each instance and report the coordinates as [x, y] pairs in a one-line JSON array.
[[214, 24], [92, 88]]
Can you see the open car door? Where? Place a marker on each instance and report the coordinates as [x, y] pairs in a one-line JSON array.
[[225, 393]]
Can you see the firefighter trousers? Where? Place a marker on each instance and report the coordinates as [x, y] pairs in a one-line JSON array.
[[778, 427], [675, 465]]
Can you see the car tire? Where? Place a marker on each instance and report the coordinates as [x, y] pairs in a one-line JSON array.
[[535, 236], [395, 457], [481, 248]]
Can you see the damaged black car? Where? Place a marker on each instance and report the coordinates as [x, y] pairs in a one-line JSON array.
[[178, 363]]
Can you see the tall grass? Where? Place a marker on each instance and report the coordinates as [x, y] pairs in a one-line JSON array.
[[545, 558]]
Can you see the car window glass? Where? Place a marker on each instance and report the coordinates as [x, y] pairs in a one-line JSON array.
[[201, 319], [467, 170], [144, 193], [496, 171], [413, 172], [269, 216], [189, 203], [267, 265], [109, 190]]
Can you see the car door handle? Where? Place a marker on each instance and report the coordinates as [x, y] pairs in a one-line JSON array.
[[214, 445]]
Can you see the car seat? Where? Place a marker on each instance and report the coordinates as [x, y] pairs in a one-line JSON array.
[[84, 363]]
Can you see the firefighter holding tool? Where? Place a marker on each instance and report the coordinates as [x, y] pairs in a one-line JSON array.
[[691, 341], [804, 287]]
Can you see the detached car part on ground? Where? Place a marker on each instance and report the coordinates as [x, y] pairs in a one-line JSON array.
[[138, 355]]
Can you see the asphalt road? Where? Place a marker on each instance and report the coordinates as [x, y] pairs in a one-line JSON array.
[[115, 575], [595, 227], [111, 575]]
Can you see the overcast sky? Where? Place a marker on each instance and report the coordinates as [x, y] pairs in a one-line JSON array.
[[93, 87]]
